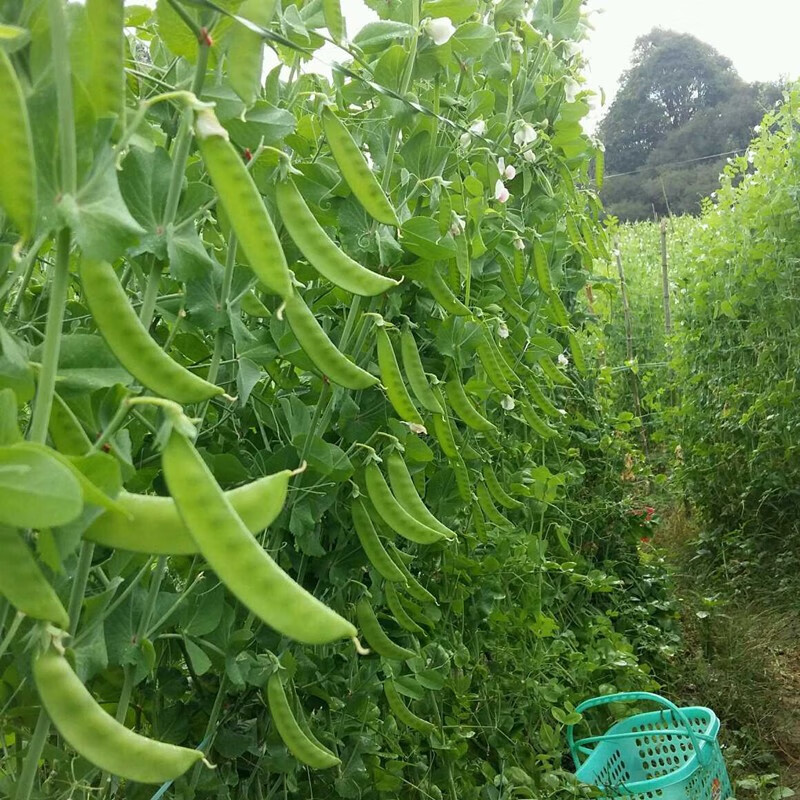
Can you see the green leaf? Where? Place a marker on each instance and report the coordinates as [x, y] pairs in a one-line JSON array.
[[9, 431], [15, 371], [473, 39], [85, 365], [375, 36], [36, 491], [456, 10], [263, 124], [201, 663], [420, 236], [99, 218]]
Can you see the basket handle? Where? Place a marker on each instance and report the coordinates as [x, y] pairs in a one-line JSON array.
[[628, 697]]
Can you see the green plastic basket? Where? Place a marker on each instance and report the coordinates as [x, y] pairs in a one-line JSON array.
[[671, 754]]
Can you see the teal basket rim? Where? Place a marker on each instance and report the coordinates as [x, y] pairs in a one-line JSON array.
[[703, 743]]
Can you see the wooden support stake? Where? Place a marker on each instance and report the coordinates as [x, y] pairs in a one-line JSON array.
[[665, 279]]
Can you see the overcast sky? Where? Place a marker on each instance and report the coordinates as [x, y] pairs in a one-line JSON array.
[[761, 38]]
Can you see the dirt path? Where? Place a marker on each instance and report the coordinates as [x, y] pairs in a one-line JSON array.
[[742, 660]]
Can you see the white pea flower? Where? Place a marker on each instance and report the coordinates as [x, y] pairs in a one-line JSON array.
[[415, 427], [501, 194], [563, 360], [571, 89], [439, 29], [508, 403], [562, 411], [478, 128], [508, 172], [757, 129], [458, 224], [526, 134], [519, 244], [529, 156], [571, 49], [502, 330]]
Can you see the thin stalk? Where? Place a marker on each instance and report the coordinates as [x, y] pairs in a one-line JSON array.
[[183, 140], [119, 415], [7, 639], [79, 581], [212, 723], [227, 281], [52, 339], [25, 269], [150, 296], [32, 756]]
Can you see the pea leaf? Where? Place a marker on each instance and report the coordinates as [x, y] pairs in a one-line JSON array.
[[473, 39], [420, 236], [9, 432], [375, 36], [15, 372], [36, 491]]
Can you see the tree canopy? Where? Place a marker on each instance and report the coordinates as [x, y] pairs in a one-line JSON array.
[[679, 103]]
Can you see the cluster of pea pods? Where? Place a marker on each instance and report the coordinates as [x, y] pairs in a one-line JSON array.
[[222, 528]]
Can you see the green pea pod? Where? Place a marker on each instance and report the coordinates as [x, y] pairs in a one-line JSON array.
[[392, 513], [539, 398], [461, 472], [321, 350], [107, 81], [17, 165], [398, 611], [96, 735], [132, 344], [322, 253], [577, 353], [253, 307], [373, 547], [542, 267], [536, 423], [512, 307], [236, 556], [599, 167], [492, 367], [150, 524], [552, 372], [403, 712], [243, 205], [573, 233], [508, 369], [443, 294], [334, 20], [479, 522], [413, 586], [462, 405], [509, 282], [588, 238], [302, 747], [558, 311], [406, 494], [412, 365], [23, 584], [66, 431], [489, 508], [497, 491], [520, 267], [245, 62], [375, 635], [355, 170], [392, 380]]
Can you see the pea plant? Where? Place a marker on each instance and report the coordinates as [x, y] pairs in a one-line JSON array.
[[304, 486]]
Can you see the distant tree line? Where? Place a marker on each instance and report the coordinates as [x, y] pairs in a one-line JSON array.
[[679, 103]]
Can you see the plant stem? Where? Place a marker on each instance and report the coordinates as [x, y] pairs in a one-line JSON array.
[[52, 340], [12, 629], [183, 141], [212, 723], [150, 294], [32, 755], [63, 80]]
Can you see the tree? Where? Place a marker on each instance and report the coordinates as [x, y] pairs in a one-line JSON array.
[[672, 77]]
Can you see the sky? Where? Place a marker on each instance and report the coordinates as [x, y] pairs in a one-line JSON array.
[[759, 38]]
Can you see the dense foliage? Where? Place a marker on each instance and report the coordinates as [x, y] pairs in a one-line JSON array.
[[737, 356], [142, 207], [680, 104]]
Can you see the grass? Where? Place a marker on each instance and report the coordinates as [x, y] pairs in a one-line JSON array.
[[742, 660]]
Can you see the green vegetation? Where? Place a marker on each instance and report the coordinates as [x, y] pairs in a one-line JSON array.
[[383, 549]]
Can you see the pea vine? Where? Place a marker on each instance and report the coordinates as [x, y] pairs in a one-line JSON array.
[[305, 488]]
